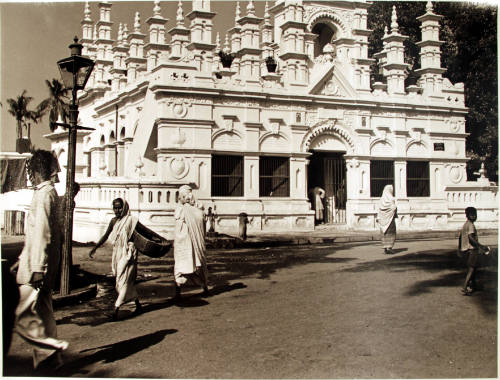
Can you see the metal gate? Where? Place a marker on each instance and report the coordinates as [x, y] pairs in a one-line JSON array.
[[328, 171], [335, 187]]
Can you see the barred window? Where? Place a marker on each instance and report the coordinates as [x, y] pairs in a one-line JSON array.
[[381, 174], [227, 176], [417, 179], [274, 175]]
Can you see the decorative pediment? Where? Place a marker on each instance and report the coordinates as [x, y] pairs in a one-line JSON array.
[[332, 84]]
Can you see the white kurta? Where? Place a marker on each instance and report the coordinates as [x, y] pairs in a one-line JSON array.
[[41, 253]]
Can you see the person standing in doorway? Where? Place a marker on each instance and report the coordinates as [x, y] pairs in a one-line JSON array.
[[38, 265], [318, 194], [386, 218], [190, 267]]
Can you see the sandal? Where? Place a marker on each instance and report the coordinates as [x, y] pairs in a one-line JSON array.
[[466, 292]]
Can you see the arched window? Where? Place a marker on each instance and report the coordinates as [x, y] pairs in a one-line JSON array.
[[112, 138], [122, 133], [102, 141], [325, 33]]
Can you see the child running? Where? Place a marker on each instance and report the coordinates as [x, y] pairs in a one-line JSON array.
[[470, 248], [124, 259]]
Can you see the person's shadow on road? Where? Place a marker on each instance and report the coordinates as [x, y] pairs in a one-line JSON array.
[[112, 352]]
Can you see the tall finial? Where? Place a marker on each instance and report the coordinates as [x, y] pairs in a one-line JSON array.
[[267, 16], [157, 8], [217, 42], [137, 23], [428, 7], [180, 15], [227, 49], [394, 21], [125, 32], [385, 31], [120, 33], [238, 12], [87, 11], [250, 8], [94, 35]]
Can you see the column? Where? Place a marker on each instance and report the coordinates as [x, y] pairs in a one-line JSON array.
[[251, 176], [120, 165], [400, 179]]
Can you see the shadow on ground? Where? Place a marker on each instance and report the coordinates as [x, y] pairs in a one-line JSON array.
[[453, 273], [113, 352]]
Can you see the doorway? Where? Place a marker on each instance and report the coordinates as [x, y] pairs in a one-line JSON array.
[[328, 171]]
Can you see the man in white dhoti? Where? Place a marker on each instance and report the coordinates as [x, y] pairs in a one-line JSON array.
[[190, 266], [124, 259], [38, 266]]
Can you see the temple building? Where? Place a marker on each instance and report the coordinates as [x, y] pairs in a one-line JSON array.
[[256, 118]]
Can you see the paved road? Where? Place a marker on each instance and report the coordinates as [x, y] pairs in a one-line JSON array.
[[324, 311]]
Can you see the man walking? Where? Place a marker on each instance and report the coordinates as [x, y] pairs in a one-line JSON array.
[[38, 266]]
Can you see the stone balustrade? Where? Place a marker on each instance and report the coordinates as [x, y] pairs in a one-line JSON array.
[[482, 196]]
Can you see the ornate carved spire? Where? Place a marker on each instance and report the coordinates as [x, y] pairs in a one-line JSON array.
[[157, 8], [237, 14], [125, 32], [120, 33], [137, 23], [250, 8], [227, 49], [217, 42], [87, 11], [180, 14], [428, 7], [394, 21], [267, 16]]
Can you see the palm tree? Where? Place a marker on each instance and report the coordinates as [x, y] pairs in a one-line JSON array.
[[55, 103], [35, 116], [19, 109]]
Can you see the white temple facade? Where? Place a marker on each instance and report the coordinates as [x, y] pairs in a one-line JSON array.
[[249, 139]]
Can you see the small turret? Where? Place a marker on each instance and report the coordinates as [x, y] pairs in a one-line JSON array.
[[395, 68], [179, 35], [136, 62], [156, 50], [430, 72]]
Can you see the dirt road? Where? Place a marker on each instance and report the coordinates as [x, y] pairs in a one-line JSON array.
[[336, 311]]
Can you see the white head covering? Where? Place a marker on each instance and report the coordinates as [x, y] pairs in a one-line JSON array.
[[387, 207], [185, 193]]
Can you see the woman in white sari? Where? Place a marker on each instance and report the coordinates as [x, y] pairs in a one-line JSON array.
[[124, 259], [190, 266], [386, 218]]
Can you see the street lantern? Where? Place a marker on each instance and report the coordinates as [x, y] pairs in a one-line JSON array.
[[75, 72]]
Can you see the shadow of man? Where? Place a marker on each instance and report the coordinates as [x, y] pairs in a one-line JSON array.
[[113, 352]]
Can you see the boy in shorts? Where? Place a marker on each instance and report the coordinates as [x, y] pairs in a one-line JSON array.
[[470, 248]]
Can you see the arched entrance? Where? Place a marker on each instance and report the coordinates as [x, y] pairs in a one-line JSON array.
[[328, 142], [328, 171]]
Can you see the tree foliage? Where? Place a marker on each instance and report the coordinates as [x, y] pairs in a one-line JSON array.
[[56, 102], [18, 108], [469, 53]]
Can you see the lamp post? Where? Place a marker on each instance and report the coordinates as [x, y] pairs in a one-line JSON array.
[[75, 72]]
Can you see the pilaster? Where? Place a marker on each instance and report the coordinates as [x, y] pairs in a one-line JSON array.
[[251, 171]]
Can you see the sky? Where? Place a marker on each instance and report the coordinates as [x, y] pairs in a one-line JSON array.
[[35, 35]]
